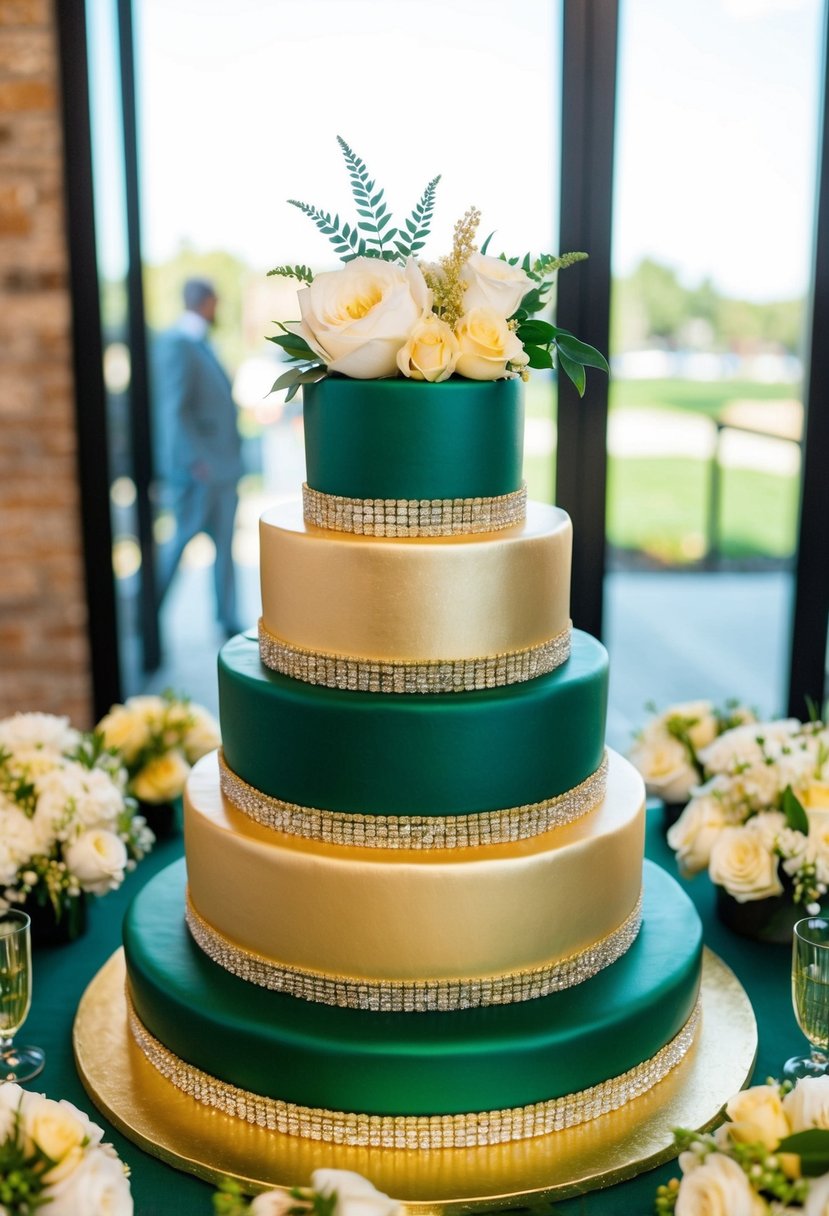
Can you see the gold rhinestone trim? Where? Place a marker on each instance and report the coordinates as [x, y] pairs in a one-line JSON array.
[[415, 831], [415, 1131], [411, 676], [413, 516], [414, 996]]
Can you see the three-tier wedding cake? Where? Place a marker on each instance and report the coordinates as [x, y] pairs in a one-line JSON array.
[[414, 910]]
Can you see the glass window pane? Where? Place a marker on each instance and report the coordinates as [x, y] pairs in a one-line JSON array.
[[716, 153]]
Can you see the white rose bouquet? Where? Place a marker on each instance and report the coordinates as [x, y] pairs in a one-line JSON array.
[[389, 314], [771, 1157], [52, 1157], [332, 1193], [67, 824], [759, 821], [667, 751], [157, 739]]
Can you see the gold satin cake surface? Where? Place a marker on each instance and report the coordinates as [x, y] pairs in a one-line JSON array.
[[424, 914], [409, 599]]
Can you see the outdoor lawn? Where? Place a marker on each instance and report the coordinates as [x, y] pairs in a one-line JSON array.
[[658, 501]]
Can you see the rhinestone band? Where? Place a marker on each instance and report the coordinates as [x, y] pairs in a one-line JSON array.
[[413, 516], [415, 831], [415, 1131], [432, 676], [414, 996]]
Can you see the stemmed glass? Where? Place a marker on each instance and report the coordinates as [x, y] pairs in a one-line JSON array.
[[16, 1063], [810, 996]]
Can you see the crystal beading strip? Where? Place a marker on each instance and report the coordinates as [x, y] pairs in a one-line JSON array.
[[413, 516], [415, 831], [411, 676], [415, 1131], [414, 996]]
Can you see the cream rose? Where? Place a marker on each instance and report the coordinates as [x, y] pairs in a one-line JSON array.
[[99, 1185], [493, 283], [807, 1105], [693, 835], [757, 1117], [97, 859], [125, 731], [663, 762], [202, 734], [487, 345], [742, 863], [718, 1187], [54, 1129], [355, 1194], [356, 319], [162, 778], [817, 1199], [274, 1203], [431, 352]]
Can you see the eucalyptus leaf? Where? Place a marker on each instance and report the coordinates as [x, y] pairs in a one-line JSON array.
[[795, 813], [580, 352], [574, 370], [812, 1147]]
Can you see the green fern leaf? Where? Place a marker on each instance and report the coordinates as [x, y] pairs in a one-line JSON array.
[[419, 223], [303, 273]]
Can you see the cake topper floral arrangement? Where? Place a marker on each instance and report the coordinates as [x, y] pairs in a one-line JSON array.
[[387, 313]]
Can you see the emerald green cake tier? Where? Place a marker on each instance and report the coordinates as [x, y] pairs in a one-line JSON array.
[[406, 439], [412, 1063], [409, 754]]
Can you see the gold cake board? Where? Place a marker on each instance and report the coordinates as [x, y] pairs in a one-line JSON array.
[[152, 1113]]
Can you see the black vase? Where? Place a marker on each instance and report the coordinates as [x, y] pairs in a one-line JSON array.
[[52, 929], [163, 818], [763, 920]]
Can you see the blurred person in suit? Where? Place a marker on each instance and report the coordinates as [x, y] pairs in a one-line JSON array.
[[199, 444]]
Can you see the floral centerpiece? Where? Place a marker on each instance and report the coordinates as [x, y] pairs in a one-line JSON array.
[[67, 825], [332, 1193], [667, 750], [387, 313], [758, 821], [769, 1159], [53, 1159], [158, 739]]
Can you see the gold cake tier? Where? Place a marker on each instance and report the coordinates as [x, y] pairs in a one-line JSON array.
[[409, 599], [405, 916]]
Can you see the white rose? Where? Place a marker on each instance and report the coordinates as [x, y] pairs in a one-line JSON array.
[[743, 864], [126, 731], [273, 1203], [493, 283], [431, 352], [57, 1131], [487, 345], [32, 732], [202, 734], [807, 1105], [740, 745], [663, 762], [718, 1188], [99, 1185], [10, 1098], [693, 835], [356, 319], [817, 1198], [355, 1194], [699, 720], [162, 778], [97, 859], [757, 1117]]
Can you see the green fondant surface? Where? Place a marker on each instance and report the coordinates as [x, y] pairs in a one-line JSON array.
[[406, 439], [426, 1063], [399, 754]]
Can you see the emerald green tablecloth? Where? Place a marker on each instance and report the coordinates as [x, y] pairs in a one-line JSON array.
[[62, 973]]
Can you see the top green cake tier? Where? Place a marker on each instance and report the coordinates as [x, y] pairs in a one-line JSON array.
[[403, 439]]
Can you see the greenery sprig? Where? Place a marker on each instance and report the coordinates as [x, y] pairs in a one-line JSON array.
[[307, 369]]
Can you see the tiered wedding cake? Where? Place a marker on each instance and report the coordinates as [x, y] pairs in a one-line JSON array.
[[413, 911]]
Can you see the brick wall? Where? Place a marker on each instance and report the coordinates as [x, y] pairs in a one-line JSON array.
[[44, 659]]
